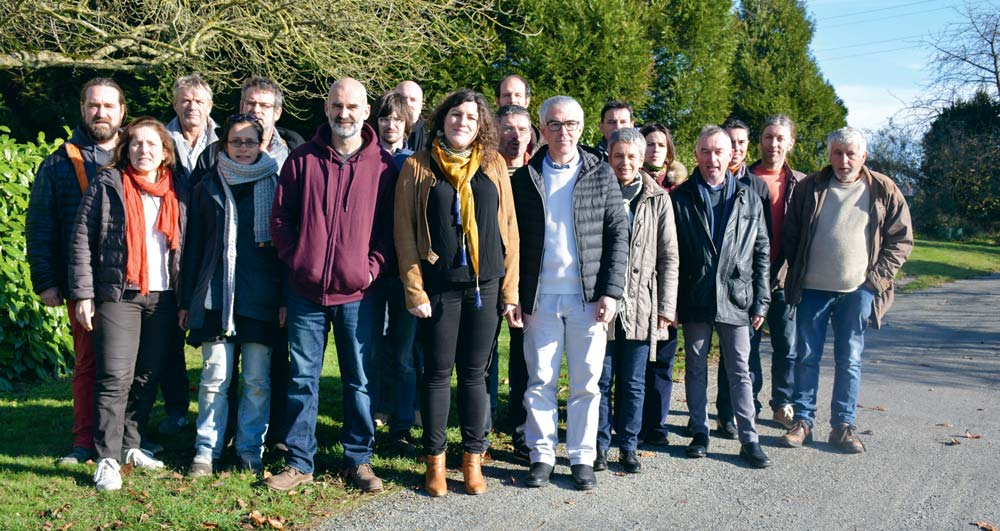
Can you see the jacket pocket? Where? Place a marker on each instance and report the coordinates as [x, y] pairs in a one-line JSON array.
[[739, 289]]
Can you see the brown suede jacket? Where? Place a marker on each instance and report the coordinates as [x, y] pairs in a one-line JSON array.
[[889, 227], [412, 235]]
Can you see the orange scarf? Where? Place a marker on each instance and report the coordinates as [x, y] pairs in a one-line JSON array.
[[167, 222]]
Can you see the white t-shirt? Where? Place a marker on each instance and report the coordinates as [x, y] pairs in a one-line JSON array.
[[157, 249]]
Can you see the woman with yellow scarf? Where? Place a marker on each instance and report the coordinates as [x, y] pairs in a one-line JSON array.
[[457, 243]]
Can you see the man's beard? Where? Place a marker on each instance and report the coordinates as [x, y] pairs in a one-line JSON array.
[[100, 132], [345, 130]]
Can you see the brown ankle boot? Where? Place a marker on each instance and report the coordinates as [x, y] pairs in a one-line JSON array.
[[473, 473], [435, 483]]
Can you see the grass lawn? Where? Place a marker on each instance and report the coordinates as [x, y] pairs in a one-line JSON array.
[[35, 421]]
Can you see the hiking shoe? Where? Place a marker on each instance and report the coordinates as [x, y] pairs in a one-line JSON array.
[[629, 460], [288, 479], [799, 434], [172, 425], [77, 456], [785, 415], [108, 475], [142, 459], [364, 478], [252, 463], [199, 469], [845, 438]]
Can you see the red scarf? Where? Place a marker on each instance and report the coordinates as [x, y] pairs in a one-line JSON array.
[[167, 222]]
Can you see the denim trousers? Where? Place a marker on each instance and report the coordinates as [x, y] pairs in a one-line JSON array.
[[849, 313], [625, 366], [213, 401], [659, 387], [734, 344], [394, 390], [558, 323], [354, 336], [131, 337], [781, 326]]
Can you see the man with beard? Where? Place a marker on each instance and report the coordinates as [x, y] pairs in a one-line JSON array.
[[51, 216], [332, 226]]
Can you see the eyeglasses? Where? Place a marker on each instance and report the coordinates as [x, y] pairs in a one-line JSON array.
[[554, 126], [254, 104], [385, 120], [236, 144]]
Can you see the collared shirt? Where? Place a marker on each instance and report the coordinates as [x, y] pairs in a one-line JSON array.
[[278, 149], [187, 154]]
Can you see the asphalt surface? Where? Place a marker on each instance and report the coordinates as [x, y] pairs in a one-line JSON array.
[[931, 374]]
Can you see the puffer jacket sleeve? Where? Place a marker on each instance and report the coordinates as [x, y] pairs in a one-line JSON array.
[[41, 226], [614, 254], [405, 229], [86, 235], [667, 261]]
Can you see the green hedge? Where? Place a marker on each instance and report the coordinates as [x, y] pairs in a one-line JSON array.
[[35, 340]]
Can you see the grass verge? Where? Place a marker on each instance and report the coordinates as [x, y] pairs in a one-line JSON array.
[[933, 263]]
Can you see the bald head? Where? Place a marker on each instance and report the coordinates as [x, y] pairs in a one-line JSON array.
[[414, 98], [347, 108]]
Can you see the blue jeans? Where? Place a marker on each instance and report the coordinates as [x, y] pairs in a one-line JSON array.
[[213, 402], [849, 313], [394, 391], [625, 363], [354, 334], [659, 386]]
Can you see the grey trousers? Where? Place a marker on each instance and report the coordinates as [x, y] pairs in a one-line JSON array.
[[734, 342]]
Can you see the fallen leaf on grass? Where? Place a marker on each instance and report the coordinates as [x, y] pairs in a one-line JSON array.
[[970, 435], [256, 518], [276, 522], [985, 526], [177, 475], [217, 484], [946, 425], [953, 442], [66, 526], [209, 525], [241, 503]]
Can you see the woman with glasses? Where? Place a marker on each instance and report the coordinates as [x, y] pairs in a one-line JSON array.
[[457, 243], [233, 292], [124, 264]]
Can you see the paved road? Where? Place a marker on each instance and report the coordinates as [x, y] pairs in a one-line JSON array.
[[930, 374]]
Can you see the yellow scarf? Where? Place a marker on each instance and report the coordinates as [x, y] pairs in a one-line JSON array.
[[459, 171]]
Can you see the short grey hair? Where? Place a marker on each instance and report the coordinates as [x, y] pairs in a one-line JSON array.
[[847, 136], [628, 135], [710, 130], [779, 120], [191, 82], [566, 102], [262, 84]]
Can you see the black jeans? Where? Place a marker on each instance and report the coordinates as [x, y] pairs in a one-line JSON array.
[[458, 336], [132, 338], [517, 374]]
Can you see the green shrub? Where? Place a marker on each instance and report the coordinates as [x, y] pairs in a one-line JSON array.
[[35, 340]]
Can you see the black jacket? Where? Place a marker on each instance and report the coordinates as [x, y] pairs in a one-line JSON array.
[[98, 252], [599, 219], [51, 215], [257, 267], [729, 286]]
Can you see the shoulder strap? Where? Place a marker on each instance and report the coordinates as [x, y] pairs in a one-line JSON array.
[[77, 159]]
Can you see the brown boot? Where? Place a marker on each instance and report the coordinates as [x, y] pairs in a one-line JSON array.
[[799, 434], [845, 438], [435, 483], [473, 473]]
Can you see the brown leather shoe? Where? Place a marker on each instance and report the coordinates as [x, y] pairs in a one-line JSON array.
[[364, 478], [473, 473], [845, 438], [288, 479], [435, 483], [785, 415], [799, 433]]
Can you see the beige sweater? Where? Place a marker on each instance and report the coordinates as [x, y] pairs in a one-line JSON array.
[[838, 258]]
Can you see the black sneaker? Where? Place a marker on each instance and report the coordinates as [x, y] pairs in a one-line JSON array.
[[601, 461], [629, 460], [583, 476], [538, 474]]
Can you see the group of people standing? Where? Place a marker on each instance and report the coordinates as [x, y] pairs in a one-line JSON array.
[[413, 240]]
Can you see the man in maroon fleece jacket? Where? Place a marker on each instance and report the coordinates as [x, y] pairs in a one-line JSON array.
[[332, 225]]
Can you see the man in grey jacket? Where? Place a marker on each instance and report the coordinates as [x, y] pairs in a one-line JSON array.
[[574, 245], [724, 269]]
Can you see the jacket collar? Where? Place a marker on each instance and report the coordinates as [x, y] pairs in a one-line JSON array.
[[369, 144]]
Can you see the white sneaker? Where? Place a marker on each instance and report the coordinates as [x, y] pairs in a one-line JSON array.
[[107, 475], [142, 459]]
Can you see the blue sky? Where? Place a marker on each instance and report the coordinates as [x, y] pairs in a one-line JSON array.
[[871, 51]]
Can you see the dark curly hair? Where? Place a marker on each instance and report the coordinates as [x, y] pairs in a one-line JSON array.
[[487, 138]]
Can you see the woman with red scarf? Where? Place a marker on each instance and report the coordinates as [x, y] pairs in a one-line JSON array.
[[124, 264]]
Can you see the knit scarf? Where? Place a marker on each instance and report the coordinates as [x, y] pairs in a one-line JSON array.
[[167, 221], [231, 173], [458, 169]]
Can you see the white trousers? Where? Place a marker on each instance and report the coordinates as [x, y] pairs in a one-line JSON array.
[[563, 322]]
